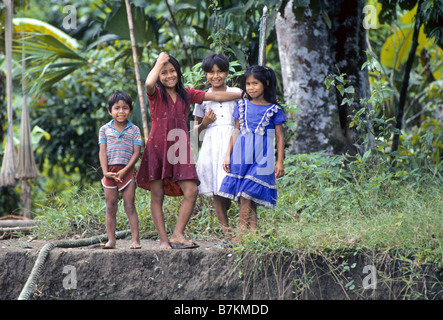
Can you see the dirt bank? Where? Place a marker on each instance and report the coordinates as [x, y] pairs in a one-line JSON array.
[[206, 273]]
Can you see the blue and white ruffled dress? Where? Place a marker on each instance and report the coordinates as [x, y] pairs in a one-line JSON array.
[[252, 170]]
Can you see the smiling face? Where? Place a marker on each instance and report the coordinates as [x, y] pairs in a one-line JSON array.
[[120, 112], [216, 77], [168, 76], [254, 88]]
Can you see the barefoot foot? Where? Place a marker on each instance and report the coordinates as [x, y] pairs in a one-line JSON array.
[[108, 245], [135, 245]]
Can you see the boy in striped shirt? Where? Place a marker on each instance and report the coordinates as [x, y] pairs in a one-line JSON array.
[[120, 144]]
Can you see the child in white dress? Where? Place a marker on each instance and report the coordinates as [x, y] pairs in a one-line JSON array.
[[215, 118]]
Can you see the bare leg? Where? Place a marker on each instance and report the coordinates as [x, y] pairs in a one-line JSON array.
[[248, 217], [111, 196], [221, 206], [252, 216], [129, 202], [157, 196], [190, 192]]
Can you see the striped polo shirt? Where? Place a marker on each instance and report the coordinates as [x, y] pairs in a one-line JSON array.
[[119, 146]]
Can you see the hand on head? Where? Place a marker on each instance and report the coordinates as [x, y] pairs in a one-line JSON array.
[[163, 58]]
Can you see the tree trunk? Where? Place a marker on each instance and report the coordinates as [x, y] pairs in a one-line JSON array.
[[7, 174], [26, 199], [263, 29], [137, 70], [309, 51]]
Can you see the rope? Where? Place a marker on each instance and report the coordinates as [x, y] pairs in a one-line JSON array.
[[44, 252]]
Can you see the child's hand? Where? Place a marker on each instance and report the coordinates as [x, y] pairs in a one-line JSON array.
[[113, 175], [120, 175], [227, 164], [162, 58], [209, 118], [279, 170]]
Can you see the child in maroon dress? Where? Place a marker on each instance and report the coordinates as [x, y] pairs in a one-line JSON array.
[[167, 167]]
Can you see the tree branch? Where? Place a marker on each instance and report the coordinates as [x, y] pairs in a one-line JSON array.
[[179, 33]]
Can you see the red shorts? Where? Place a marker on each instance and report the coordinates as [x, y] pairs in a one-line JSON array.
[[111, 183]]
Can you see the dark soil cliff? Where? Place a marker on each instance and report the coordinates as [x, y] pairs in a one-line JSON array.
[[206, 273]]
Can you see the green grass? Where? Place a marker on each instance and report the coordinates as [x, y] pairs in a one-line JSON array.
[[324, 204]]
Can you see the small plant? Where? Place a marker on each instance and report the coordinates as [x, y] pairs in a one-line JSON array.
[[369, 119], [422, 147], [342, 85]]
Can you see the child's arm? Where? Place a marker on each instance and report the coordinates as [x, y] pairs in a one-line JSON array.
[[203, 123], [152, 78], [279, 168], [222, 96], [234, 136], [104, 162], [122, 173]]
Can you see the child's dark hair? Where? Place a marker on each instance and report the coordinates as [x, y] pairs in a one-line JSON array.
[[118, 95], [179, 86], [266, 76], [215, 59]]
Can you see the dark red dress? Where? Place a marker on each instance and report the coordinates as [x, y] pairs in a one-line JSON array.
[[167, 155]]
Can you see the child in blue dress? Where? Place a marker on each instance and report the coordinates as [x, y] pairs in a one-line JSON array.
[[249, 161]]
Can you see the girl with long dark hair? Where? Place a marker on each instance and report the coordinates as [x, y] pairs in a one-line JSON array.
[[167, 166]]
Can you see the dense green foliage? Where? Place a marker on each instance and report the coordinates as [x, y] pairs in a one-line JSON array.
[[377, 201], [325, 201]]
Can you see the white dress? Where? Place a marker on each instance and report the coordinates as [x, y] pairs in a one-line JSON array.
[[215, 143]]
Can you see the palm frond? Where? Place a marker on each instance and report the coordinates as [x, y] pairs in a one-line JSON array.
[[49, 59], [29, 25], [43, 45]]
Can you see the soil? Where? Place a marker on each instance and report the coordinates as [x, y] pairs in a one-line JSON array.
[[205, 273]]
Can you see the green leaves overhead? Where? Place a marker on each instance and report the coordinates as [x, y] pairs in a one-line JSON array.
[[117, 23], [432, 13], [51, 54], [50, 60]]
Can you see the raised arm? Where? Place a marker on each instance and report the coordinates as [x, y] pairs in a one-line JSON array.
[[152, 78]]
